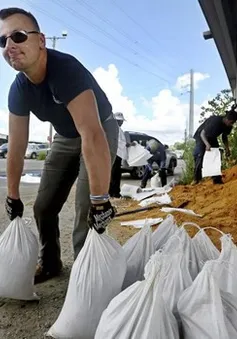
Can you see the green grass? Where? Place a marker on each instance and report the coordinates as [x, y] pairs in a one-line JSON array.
[[188, 173], [42, 155]]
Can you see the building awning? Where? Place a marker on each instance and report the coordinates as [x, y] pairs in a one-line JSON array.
[[221, 16]]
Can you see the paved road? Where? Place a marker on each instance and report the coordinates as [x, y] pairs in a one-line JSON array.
[[35, 166], [30, 165]]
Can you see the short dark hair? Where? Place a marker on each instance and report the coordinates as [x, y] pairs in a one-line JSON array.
[[7, 12], [231, 115]]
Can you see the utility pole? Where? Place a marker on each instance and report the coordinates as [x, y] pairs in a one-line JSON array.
[[185, 136], [54, 40], [191, 105]]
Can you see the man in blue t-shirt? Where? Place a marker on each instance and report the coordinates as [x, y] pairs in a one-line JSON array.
[[57, 88]]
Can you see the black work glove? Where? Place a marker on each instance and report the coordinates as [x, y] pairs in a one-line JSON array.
[[100, 216], [14, 208]]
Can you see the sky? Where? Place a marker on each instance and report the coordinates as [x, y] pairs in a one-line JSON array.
[[140, 53]]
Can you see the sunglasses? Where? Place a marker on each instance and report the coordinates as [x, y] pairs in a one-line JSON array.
[[18, 37]]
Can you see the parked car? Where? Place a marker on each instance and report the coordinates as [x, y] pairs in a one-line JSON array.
[[137, 172], [3, 150], [32, 151]]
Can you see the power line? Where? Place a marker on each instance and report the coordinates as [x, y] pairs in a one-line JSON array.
[[106, 20], [87, 37], [104, 32], [94, 11], [136, 23]]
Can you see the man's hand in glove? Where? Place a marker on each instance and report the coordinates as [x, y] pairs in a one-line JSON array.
[[14, 208], [100, 216]]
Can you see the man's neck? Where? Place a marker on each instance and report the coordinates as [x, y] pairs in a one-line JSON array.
[[36, 74]]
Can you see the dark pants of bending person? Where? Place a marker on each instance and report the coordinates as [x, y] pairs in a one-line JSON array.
[[198, 154], [148, 171], [114, 189], [63, 166]]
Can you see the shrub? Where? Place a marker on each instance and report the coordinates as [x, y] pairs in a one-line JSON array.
[[188, 171], [42, 155]]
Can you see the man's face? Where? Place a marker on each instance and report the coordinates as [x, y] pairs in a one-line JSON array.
[[229, 123], [21, 56], [120, 122]]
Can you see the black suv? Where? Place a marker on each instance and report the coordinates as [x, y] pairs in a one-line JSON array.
[[137, 172]]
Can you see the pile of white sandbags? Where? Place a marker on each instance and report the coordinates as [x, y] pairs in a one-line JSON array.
[[160, 285], [188, 290]]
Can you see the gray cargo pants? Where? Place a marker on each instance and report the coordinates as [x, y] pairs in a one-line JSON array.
[[62, 166]]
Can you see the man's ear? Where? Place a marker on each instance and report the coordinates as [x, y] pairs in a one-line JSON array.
[[42, 41]]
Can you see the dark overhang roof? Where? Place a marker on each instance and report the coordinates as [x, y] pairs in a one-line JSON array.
[[221, 16]]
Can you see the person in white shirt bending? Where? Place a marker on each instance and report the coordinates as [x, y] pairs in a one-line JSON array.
[[123, 142]]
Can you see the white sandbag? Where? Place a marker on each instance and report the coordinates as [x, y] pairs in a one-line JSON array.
[[138, 250], [139, 312], [140, 223], [96, 278], [200, 307], [203, 244], [228, 260], [135, 192], [138, 155], [192, 255], [181, 210], [18, 259], [30, 179], [163, 199], [164, 231], [176, 273], [211, 163], [165, 189], [155, 181], [229, 303]]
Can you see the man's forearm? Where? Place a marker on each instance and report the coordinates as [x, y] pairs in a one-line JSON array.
[[204, 138], [15, 164], [98, 162]]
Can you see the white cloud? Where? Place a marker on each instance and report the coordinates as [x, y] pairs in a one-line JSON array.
[[183, 81], [167, 118], [3, 121], [39, 130], [110, 83], [169, 114]]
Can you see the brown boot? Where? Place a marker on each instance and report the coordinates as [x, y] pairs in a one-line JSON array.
[[42, 274]]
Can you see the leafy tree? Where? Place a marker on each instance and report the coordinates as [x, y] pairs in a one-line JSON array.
[[217, 106], [179, 145]]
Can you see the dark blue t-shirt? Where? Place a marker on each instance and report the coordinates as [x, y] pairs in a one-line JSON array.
[[159, 156], [65, 78], [213, 127]]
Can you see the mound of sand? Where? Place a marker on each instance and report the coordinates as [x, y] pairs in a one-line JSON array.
[[216, 203]]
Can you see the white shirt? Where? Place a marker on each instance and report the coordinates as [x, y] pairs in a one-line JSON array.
[[122, 151]]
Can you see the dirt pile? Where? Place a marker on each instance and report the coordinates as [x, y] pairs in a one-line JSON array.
[[216, 203]]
